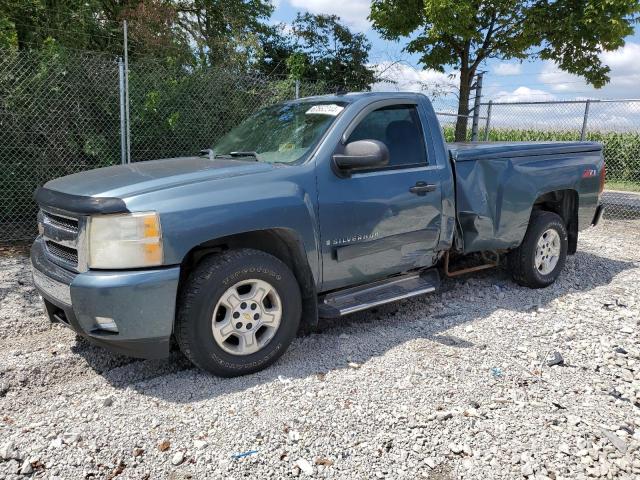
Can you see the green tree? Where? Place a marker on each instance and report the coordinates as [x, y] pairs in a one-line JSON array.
[[464, 33], [225, 32], [333, 53], [29, 23], [94, 25], [318, 48]]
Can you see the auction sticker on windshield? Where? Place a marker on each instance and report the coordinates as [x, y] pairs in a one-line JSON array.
[[331, 109]]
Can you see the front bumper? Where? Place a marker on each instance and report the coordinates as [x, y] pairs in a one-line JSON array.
[[141, 303]]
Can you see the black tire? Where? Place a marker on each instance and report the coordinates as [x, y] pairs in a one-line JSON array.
[[210, 279], [522, 260]]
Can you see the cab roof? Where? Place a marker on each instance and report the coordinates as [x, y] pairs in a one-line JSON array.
[[353, 97]]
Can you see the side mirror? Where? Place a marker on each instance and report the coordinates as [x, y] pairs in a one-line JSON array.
[[362, 154]]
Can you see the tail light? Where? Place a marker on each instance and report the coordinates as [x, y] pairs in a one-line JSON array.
[[603, 174]]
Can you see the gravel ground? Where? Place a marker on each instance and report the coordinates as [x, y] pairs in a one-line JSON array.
[[452, 385]]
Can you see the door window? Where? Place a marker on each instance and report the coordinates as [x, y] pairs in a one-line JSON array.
[[399, 128]]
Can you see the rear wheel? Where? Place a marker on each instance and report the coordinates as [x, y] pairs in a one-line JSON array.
[[538, 261], [238, 313]]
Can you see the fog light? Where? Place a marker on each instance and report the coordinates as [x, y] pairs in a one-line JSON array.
[[106, 323]]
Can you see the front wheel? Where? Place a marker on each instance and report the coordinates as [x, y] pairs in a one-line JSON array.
[[538, 261], [238, 312]]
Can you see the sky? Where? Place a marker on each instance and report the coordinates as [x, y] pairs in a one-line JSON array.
[[504, 81]]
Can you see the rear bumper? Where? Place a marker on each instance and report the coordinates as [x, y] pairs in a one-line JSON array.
[[598, 215], [141, 303]]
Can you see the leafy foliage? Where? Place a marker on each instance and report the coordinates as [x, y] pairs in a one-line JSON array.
[[230, 34], [319, 48], [464, 33]]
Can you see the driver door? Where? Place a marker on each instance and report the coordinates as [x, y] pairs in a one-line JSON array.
[[376, 223]]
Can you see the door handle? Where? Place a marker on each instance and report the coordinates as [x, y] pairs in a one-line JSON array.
[[421, 188]]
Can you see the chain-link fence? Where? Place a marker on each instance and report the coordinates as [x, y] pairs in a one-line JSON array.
[[614, 123], [60, 114]]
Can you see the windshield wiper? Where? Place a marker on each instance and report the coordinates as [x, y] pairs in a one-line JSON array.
[[208, 152], [244, 154], [253, 155]]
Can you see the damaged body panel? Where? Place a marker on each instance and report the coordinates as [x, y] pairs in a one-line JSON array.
[[498, 185]]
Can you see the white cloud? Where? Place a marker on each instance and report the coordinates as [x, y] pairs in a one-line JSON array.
[[507, 69], [406, 78], [353, 12], [625, 76], [523, 94]]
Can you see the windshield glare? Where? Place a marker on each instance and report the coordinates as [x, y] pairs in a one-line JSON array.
[[282, 133]]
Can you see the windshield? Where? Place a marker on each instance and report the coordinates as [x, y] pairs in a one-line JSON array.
[[282, 133]]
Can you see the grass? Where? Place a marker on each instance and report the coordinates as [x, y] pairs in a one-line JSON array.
[[624, 186]]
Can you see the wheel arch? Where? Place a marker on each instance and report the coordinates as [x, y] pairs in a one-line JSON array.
[[565, 204], [284, 244]]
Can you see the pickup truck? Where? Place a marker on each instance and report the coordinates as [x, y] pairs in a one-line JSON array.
[[308, 209]]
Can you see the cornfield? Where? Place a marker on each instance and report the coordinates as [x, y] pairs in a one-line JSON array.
[[621, 149]]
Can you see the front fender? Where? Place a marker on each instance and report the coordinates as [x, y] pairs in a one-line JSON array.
[[194, 214]]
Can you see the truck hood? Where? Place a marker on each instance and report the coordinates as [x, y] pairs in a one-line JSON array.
[[123, 181]]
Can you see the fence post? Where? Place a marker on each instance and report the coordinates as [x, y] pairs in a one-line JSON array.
[[583, 133], [126, 89], [297, 89], [487, 125], [123, 122], [476, 108]]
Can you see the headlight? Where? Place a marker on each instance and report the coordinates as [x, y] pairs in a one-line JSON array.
[[125, 241]]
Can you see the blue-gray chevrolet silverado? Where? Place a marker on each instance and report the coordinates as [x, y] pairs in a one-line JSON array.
[[308, 209]]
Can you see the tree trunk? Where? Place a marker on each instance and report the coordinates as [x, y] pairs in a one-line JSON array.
[[463, 105]]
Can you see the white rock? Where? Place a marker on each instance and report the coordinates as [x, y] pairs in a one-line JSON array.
[[200, 444], [7, 451], [526, 469], [304, 466], [177, 458], [456, 448], [13, 466], [71, 437], [573, 420], [616, 441], [56, 443], [26, 468]]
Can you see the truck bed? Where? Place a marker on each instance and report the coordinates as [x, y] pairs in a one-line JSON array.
[[497, 183]]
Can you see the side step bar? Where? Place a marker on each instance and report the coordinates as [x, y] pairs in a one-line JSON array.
[[354, 299]]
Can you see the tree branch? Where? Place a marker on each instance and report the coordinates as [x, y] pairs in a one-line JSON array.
[[483, 51]]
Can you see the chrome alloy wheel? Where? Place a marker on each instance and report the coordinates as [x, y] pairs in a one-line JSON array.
[[246, 317], [547, 252]]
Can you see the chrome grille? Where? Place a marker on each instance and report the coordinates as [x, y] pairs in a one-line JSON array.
[[65, 223], [67, 254], [61, 235]]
